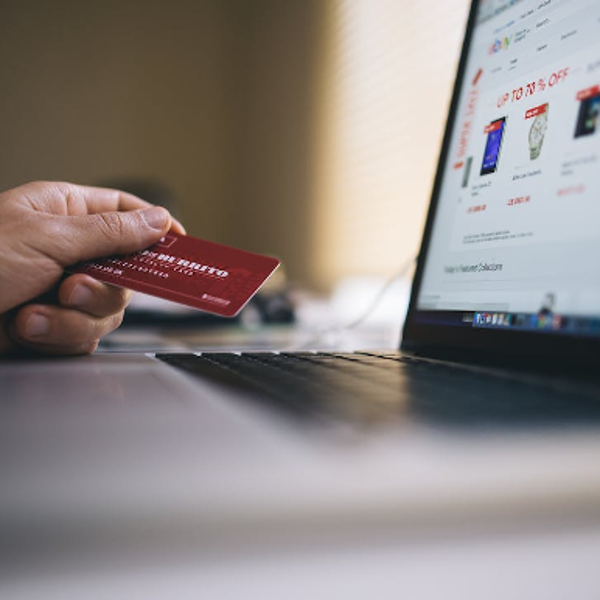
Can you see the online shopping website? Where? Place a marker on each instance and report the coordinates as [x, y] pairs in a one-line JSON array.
[[517, 229]]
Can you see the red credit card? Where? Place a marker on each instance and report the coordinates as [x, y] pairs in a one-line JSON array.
[[212, 277]]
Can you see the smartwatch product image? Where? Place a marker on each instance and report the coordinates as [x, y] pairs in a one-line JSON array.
[[537, 133]]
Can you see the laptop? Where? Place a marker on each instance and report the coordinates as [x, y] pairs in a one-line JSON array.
[[490, 408], [507, 275]]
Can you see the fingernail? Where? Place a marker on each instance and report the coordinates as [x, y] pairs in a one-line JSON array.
[[37, 325], [180, 225], [156, 217], [80, 296]]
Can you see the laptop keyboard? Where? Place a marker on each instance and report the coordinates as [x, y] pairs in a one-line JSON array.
[[371, 387]]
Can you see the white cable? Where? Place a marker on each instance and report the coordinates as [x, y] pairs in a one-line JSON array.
[[340, 329]]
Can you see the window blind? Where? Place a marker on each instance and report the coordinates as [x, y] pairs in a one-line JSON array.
[[385, 82]]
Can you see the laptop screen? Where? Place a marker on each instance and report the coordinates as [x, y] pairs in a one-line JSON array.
[[513, 236]]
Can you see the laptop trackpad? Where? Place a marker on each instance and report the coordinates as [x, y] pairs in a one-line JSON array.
[[131, 398]]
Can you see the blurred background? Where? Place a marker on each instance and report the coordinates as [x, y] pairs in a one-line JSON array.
[[306, 129]]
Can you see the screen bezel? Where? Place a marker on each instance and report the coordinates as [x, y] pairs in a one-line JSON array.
[[468, 343]]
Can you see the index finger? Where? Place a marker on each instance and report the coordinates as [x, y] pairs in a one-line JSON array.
[[69, 199], [98, 200], [86, 294]]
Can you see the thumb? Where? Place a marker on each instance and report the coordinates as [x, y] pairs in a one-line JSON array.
[[98, 235]]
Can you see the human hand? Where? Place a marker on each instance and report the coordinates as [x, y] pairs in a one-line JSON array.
[[45, 227]]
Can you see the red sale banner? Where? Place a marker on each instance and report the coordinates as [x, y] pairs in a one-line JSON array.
[[588, 93], [495, 126], [538, 110]]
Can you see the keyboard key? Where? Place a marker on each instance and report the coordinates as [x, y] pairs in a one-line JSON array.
[[383, 388]]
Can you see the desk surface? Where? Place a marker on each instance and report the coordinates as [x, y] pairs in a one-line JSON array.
[[539, 553]]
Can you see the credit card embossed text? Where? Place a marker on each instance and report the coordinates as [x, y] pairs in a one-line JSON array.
[[212, 277]]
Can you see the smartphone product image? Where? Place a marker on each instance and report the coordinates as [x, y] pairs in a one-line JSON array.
[[587, 119], [495, 133]]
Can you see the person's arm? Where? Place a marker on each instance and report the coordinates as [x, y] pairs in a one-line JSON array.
[[46, 227]]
